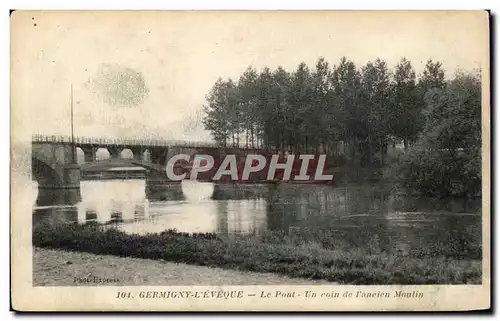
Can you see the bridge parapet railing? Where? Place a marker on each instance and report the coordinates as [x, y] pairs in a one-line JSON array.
[[123, 141]]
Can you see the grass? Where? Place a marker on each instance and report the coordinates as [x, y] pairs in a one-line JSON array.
[[290, 255]]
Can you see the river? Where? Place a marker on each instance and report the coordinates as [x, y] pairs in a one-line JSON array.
[[365, 215]]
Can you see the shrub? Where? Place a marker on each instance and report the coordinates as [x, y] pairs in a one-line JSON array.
[[446, 159]]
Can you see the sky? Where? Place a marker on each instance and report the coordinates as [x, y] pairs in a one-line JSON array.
[[146, 74]]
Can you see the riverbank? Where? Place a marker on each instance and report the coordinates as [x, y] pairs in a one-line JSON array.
[[68, 268], [288, 255]]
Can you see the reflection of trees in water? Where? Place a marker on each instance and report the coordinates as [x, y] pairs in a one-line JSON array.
[[317, 205], [437, 234], [239, 191], [363, 217], [164, 192], [240, 208], [404, 203], [241, 216], [222, 217]]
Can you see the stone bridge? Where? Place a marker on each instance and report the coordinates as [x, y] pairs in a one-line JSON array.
[[54, 163]]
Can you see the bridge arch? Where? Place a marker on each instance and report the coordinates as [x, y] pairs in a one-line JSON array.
[[146, 155], [56, 186], [127, 153], [80, 156], [60, 155], [102, 153], [43, 173]]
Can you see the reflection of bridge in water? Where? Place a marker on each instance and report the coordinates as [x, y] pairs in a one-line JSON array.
[[162, 192], [205, 207]]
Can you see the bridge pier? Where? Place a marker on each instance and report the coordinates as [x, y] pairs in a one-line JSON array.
[[159, 155], [137, 151], [89, 154], [53, 168], [65, 177], [63, 188], [114, 152]]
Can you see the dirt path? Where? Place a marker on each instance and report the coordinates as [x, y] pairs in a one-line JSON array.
[[56, 267]]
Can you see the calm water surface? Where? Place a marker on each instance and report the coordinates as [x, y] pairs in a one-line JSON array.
[[363, 215]]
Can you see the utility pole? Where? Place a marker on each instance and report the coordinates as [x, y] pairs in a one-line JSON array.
[[73, 149]]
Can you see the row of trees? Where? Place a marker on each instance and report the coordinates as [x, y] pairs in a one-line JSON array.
[[366, 108]]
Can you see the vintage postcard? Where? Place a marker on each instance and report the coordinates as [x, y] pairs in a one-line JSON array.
[[250, 160]]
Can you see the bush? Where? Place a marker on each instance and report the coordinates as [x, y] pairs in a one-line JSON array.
[[441, 173], [446, 160]]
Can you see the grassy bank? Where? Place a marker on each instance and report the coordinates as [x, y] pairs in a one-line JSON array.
[[288, 255]]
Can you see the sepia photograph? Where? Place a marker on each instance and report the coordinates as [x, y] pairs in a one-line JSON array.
[[267, 160]]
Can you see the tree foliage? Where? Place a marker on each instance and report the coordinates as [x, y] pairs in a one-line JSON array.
[[446, 160], [359, 112]]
